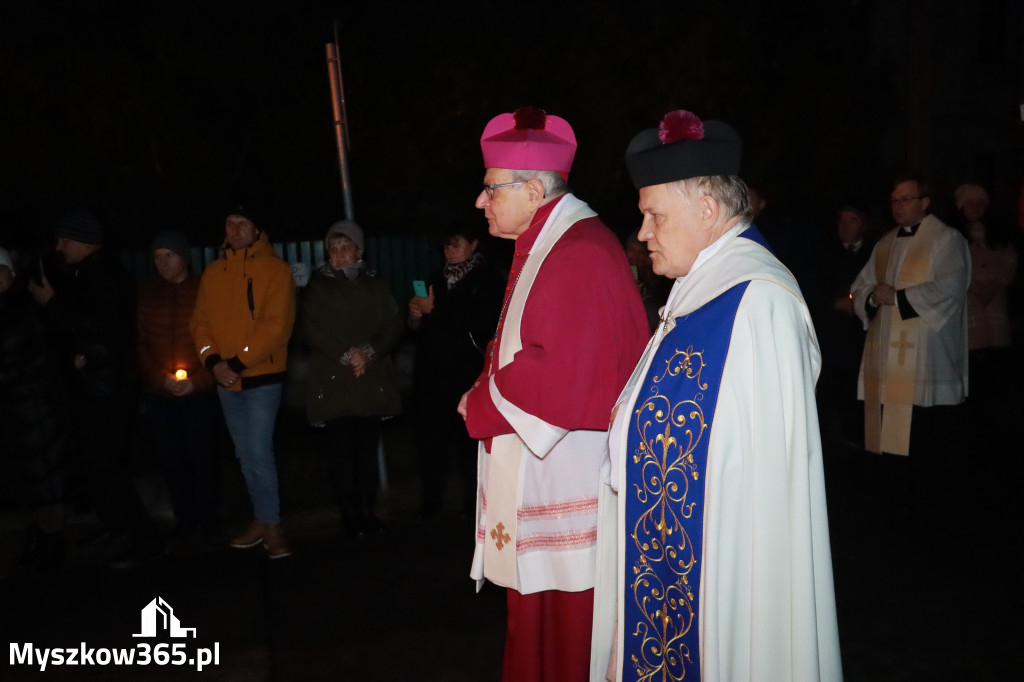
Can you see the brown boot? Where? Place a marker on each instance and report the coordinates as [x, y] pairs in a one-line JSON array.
[[274, 542], [251, 536]]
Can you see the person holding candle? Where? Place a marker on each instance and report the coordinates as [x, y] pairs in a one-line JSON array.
[[180, 403]]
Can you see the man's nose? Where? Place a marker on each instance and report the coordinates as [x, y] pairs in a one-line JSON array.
[[642, 232]]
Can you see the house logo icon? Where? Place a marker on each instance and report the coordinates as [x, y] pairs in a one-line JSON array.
[[158, 616]]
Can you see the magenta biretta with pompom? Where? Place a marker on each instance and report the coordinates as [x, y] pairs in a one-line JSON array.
[[529, 139]]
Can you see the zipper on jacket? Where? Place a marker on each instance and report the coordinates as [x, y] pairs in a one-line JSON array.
[[252, 304]]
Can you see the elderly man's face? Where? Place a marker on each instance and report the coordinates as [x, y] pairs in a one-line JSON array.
[[508, 210], [908, 206], [671, 228], [239, 232]]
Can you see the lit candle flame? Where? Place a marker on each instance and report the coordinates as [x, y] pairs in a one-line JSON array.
[[180, 375]]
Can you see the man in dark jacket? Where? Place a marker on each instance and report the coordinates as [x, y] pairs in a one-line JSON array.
[[89, 312], [840, 333]]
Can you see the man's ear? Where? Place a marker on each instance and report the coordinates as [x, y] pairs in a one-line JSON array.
[[709, 210], [926, 202], [536, 189]]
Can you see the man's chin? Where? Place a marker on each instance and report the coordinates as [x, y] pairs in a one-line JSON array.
[[495, 231]]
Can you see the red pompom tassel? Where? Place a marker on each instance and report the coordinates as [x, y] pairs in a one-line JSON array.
[[680, 125], [530, 118]]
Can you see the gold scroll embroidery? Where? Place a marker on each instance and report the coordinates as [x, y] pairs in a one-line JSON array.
[[669, 432]]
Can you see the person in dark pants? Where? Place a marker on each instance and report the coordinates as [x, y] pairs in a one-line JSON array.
[[33, 424], [181, 404], [453, 324], [90, 311], [840, 332], [351, 323]]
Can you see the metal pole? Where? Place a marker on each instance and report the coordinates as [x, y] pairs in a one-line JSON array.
[[340, 130]]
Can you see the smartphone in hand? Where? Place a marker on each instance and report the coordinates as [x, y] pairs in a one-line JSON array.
[[419, 288], [39, 275]]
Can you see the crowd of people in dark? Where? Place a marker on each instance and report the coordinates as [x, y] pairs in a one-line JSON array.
[[83, 346], [87, 351]]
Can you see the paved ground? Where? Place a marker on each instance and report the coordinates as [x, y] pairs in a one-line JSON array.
[[918, 598]]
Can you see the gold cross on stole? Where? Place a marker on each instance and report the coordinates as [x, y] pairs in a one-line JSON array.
[[903, 346], [499, 535]]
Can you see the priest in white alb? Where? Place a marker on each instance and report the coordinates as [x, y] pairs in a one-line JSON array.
[[714, 557], [911, 296]]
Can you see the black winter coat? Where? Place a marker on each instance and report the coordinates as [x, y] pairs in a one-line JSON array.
[[452, 339], [32, 407]]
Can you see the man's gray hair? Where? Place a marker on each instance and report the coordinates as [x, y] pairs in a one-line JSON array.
[[554, 184], [728, 190]]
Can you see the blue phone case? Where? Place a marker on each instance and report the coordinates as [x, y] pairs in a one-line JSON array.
[[419, 287]]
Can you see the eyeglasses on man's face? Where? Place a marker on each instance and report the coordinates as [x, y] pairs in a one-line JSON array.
[[903, 201], [490, 188]]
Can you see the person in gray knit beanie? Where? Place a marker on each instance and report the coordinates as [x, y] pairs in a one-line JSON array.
[[347, 228]]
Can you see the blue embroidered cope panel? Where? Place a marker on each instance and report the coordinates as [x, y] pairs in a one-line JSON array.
[[664, 475]]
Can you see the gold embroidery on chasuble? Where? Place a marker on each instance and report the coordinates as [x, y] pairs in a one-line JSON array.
[[668, 434]]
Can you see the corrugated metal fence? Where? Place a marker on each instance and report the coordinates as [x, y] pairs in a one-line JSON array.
[[399, 259]]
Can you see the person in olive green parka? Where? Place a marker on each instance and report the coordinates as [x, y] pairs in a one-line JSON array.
[[352, 324]]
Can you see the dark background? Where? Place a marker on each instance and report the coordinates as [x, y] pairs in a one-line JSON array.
[[158, 116]]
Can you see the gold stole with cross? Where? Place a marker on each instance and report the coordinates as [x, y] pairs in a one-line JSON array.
[[504, 470], [890, 363]]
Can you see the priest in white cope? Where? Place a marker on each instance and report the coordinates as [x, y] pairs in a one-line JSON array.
[[571, 328], [714, 557], [911, 296]]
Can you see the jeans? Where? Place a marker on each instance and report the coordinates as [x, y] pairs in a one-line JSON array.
[[250, 417]]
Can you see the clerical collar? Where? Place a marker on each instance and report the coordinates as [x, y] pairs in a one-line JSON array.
[[525, 241], [908, 231], [666, 311], [853, 246]]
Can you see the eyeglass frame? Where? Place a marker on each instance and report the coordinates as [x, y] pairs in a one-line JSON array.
[[490, 188], [903, 201]]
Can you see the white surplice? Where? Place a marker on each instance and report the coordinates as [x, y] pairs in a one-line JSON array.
[[941, 372]]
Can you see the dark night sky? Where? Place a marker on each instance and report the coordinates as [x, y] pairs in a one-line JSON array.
[[159, 118]]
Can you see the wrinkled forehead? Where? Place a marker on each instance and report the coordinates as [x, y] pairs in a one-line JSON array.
[[658, 198], [494, 176]]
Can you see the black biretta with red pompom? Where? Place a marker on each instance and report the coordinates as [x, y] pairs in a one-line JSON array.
[[683, 147]]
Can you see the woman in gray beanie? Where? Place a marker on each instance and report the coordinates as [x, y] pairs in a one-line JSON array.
[[352, 324]]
